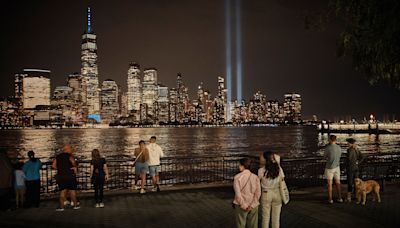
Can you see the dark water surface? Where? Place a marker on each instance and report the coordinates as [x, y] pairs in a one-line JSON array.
[[290, 142]]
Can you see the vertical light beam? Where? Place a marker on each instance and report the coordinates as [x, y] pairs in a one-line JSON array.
[[228, 54], [238, 52]]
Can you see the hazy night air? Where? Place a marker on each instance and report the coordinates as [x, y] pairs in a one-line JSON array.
[[278, 55]]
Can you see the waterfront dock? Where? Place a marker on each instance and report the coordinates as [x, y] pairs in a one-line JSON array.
[[205, 206]]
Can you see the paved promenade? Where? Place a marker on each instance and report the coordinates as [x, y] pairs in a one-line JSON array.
[[205, 207]]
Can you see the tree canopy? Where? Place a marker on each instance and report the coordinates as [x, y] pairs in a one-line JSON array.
[[371, 37]]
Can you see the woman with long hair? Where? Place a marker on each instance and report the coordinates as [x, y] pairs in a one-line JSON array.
[[31, 169], [99, 174], [271, 202]]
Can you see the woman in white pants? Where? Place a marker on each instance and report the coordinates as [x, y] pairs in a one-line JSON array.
[[271, 202]]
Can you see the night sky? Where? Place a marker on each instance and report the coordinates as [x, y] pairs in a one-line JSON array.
[[278, 54]]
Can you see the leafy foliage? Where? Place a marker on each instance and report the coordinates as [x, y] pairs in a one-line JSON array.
[[371, 37]]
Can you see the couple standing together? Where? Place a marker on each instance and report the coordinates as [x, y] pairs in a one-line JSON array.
[[249, 188], [148, 161]]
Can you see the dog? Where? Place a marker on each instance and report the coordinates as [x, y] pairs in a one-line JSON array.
[[365, 187]]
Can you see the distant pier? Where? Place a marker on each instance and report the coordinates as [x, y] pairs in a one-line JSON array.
[[351, 128]]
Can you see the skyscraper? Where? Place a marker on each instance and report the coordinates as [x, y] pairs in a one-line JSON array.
[[109, 101], [162, 107], [292, 107], [220, 103], [89, 68], [78, 84], [149, 94], [134, 93], [33, 87]]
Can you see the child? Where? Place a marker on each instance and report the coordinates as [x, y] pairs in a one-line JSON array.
[[19, 185]]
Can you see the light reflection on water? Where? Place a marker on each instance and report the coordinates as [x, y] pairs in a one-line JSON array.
[[290, 142]]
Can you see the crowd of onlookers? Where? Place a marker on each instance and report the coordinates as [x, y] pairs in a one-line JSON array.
[[20, 181]]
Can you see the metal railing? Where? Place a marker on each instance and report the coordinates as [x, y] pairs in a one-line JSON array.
[[214, 169]]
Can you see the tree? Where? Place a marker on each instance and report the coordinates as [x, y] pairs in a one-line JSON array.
[[371, 36]]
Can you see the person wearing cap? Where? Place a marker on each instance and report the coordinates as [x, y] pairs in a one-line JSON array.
[[354, 158], [31, 169]]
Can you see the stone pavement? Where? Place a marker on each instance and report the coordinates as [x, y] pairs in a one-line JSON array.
[[205, 207]]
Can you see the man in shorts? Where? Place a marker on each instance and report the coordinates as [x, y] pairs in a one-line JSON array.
[[66, 176], [155, 153], [332, 153]]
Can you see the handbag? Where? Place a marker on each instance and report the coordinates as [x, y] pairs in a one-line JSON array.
[[284, 192]]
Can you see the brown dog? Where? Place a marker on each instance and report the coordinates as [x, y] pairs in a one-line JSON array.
[[365, 187]]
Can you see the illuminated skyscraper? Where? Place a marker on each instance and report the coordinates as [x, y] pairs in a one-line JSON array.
[[78, 84], [89, 68], [173, 105], [134, 93], [149, 94], [109, 101], [292, 107], [162, 107], [180, 106], [220, 103], [33, 88]]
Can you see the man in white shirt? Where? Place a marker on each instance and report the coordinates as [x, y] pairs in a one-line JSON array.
[[155, 153]]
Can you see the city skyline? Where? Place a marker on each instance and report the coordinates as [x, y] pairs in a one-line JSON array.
[[316, 96]]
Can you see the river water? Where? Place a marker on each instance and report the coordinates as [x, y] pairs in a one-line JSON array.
[[119, 143]]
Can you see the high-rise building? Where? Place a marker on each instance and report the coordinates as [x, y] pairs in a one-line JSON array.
[[162, 107], [89, 69], [32, 86], [78, 84], [124, 104], [292, 107], [220, 103], [109, 101], [180, 105], [134, 93], [149, 93], [173, 106], [62, 99]]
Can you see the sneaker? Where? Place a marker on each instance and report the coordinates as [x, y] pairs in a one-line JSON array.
[[67, 203], [154, 189], [97, 205], [76, 207], [101, 205], [59, 209], [137, 187], [340, 200], [330, 201], [142, 191]]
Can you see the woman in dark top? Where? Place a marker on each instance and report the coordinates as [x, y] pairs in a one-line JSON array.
[[99, 174]]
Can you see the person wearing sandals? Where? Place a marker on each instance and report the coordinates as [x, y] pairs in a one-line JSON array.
[[141, 165], [271, 202], [247, 194], [99, 174]]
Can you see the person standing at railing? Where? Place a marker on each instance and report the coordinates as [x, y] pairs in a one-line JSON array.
[[19, 185], [31, 169], [354, 158], [155, 153], [247, 195], [99, 174], [66, 176], [332, 153], [271, 201], [141, 165], [6, 174]]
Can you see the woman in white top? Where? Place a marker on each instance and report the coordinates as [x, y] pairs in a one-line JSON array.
[[271, 202]]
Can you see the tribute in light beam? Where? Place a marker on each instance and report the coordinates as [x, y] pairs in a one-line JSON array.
[[238, 52], [228, 54]]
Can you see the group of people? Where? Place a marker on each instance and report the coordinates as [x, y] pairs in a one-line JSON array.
[[333, 153], [252, 190], [263, 189], [21, 180], [147, 161]]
